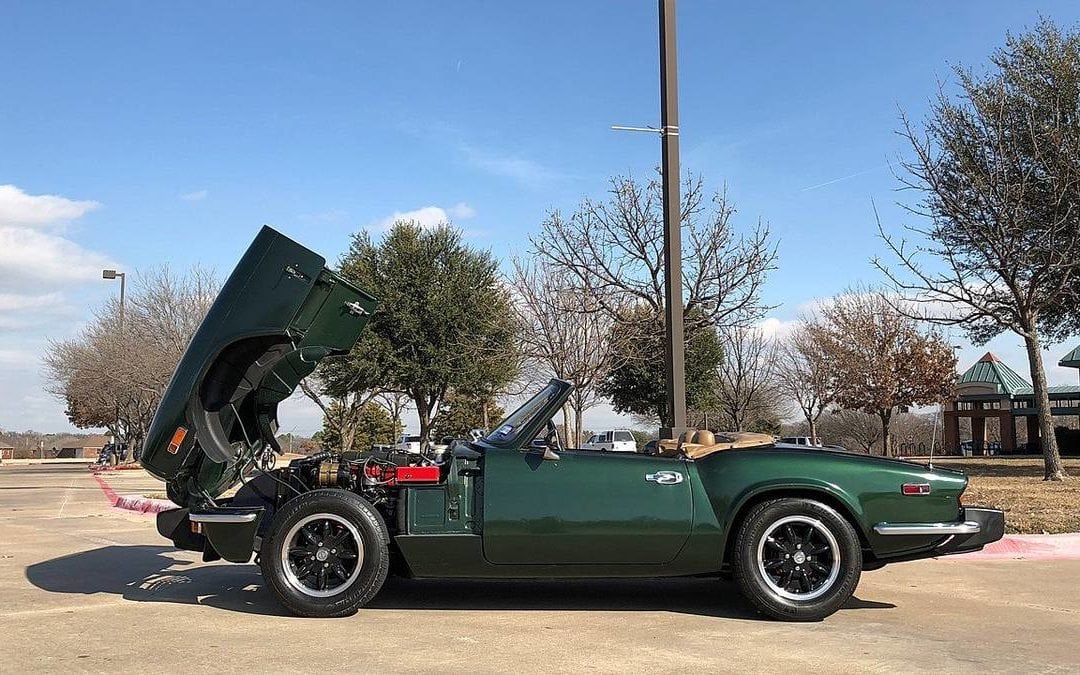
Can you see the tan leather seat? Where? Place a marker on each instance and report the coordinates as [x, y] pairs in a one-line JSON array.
[[704, 437], [695, 444], [724, 441]]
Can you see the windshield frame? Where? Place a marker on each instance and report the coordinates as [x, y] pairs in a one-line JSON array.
[[522, 425]]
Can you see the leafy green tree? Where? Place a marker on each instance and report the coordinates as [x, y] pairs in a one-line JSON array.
[[444, 321], [462, 413], [636, 384], [373, 425]]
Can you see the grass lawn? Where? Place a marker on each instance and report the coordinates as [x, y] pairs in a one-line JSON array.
[[1031, 505]]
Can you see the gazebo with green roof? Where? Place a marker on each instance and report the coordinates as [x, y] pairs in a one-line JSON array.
[[991, 389]]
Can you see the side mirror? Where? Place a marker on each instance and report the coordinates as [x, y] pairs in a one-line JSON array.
[[550, 454]]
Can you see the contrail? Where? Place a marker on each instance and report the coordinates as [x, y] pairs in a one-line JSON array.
[[843, 178]]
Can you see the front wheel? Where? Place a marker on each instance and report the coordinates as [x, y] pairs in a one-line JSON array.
[[797, 559], [326, 554]]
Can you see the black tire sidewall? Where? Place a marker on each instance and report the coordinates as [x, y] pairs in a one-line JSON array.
[[763, 597], [373, 569]]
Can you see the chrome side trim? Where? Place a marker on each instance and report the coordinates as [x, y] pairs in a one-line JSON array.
[[222, 517], [969, 527]]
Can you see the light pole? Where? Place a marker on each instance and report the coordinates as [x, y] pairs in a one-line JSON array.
[[113, 274], [675, 353]]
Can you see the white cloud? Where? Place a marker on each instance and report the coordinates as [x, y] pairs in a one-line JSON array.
[[525, 171], [428, 216], [196, 196], [19, 208], [29, 258], [14, 301], [774, 328], [461, 211]]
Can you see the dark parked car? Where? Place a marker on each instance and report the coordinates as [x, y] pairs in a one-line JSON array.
[[794, 526]]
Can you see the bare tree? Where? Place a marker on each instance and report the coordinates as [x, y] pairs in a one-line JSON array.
[[998, 170], [565, 334], [803, 375], [852, 427], [615, 248], [879, 359], [112, 375], [746, 389]]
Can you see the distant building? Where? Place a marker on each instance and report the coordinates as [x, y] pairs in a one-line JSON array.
[[992, 390], [7, 452]]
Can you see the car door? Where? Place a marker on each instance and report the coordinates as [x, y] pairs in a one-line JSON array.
[[585, 507]]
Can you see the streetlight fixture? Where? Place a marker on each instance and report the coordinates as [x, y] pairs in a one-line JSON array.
[[675, 356], [113, 274]]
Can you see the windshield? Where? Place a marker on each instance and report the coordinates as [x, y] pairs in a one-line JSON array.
[[508, 429]]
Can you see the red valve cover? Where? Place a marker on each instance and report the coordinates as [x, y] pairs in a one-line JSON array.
[[417, 474]]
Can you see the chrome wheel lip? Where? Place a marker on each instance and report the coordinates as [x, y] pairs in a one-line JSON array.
[[834, 549], [291, 536]]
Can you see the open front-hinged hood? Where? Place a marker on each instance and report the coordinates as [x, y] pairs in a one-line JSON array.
[[280, 313]]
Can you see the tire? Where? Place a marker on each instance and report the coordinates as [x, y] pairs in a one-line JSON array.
[[326, 554], [780, 578]]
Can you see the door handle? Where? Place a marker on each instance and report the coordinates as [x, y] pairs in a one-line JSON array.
[[664, 477]]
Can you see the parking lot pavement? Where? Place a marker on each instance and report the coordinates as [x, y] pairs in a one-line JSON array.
[[86, 587]]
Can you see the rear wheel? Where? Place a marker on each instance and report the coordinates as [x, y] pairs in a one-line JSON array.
[[326, 554], [797, 559]]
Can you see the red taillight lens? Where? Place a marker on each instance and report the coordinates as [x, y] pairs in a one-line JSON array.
[[177, 438], [915, 488]]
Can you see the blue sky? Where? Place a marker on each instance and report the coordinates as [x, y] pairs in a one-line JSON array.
[[169, 132]]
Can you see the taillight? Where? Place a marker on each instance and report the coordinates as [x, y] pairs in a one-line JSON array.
[[912, 489]]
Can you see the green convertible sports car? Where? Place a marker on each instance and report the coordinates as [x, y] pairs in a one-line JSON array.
[[794, 526]]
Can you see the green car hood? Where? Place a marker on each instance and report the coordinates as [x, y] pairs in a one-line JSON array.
[[279, 313]]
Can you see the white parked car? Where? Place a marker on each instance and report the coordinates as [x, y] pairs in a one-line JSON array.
[[800, 440], [618, 440], [407, 443]]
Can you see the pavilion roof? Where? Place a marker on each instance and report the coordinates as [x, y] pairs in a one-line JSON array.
[[1072, 359], [991, 370]]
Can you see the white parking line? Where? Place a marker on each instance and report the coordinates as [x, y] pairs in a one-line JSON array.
[[67, 495]]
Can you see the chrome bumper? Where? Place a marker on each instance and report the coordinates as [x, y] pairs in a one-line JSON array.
[[930, 529]]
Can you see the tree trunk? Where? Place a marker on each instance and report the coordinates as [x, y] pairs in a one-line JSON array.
[[423, 412], [813, 428], [566, 422], [1054, 469], [578, 417], [886, 442]]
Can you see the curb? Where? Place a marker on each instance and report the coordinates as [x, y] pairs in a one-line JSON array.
[[123, 467], [1028, 547], [136, 503], [144, 504]]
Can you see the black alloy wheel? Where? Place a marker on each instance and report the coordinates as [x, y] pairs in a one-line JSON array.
[[796, 559], [326, 553]]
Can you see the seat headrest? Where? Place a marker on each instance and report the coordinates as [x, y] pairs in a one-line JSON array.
[[687, 436], [704, 437]]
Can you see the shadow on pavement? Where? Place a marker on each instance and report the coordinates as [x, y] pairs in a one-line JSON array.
[[152, 574]]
